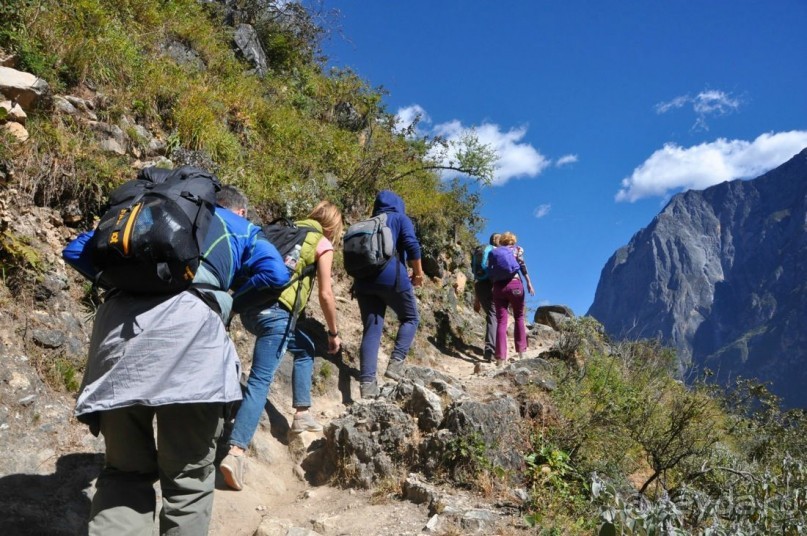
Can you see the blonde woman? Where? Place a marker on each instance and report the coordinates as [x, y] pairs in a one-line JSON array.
[[271, 323], [509, 293]]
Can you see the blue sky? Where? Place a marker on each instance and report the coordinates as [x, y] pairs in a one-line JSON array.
[[599, 110]]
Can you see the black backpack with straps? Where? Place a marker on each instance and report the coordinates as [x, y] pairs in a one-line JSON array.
[[149, 239], [288, 238]]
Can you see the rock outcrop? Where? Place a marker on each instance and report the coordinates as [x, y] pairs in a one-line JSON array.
[[721, 275]]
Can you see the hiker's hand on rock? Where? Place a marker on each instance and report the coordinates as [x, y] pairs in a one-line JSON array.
[[477, 306]]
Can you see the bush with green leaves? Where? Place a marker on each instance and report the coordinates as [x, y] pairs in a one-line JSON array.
[[465, 458], [627, 414], [579, 337], [557, 492]]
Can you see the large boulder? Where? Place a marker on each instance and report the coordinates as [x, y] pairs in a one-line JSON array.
[[249, 46], [13, 112], [111, 138], [183, 54], [16, 130], [26, 88], [491, 427], [553, 315], [366, 445]]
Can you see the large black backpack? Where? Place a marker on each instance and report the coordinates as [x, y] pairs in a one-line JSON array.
[[288, 238], [149, 240]]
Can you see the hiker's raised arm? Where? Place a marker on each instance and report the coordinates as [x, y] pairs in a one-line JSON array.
[[266, 269]]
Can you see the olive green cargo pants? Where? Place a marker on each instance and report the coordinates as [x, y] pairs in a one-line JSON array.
[[182, 460]]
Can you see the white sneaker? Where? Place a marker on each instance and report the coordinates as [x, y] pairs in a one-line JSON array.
[[304, 422], [234, 469]]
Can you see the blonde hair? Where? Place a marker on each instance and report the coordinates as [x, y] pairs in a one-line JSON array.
[[507, 239], [330, 217]]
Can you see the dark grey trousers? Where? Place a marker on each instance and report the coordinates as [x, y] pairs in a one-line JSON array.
[[484, 292]]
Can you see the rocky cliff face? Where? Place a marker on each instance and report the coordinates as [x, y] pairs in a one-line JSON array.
[[721, 275]]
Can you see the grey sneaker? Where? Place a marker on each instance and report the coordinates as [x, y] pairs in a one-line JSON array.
[[304, 422], [369, 389], [501, 362], [395, 369], [233, 469]]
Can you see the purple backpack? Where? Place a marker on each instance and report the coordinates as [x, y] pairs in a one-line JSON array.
[[502, 263]]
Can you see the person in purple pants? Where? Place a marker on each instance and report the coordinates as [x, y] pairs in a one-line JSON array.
[[510, 293]]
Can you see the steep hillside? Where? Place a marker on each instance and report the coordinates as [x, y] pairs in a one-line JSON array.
[[560, 442], [721, 275]]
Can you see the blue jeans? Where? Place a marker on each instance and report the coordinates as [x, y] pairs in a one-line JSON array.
[[373, 305], [273, 338]]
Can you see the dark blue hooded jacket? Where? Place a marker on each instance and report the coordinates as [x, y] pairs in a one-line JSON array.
[[394, 273]]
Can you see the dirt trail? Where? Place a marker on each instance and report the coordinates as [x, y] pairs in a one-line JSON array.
[[276, 491]]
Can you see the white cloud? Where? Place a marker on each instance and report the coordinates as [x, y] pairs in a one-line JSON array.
[[677, 102], [566, 160], [406, 117], [715, 102], [674, 167], [541, 211], [516, 158], [709, 102]]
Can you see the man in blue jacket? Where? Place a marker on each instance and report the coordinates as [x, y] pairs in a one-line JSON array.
[[393, 288], [169, 357]]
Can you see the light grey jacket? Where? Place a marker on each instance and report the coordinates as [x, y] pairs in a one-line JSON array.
[[154, 351]]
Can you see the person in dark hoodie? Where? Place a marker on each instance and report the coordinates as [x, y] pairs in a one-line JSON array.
[[393, 288]]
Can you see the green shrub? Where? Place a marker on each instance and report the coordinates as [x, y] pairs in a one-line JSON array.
[[17, 254], [627, 414], [465, 458], [67, 375]]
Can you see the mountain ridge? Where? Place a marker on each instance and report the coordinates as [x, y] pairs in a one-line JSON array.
[[719, 275]]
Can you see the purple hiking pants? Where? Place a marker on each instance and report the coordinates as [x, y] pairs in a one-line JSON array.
[[505, 295]]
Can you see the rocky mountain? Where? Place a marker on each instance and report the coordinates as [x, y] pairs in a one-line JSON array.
[[721, 275]]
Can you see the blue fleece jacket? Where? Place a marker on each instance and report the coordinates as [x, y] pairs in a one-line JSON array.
[[394, 273]]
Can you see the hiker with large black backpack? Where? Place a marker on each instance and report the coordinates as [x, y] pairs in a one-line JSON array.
[[389, 235], [307, 247], [164, 353], [483, 293]]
